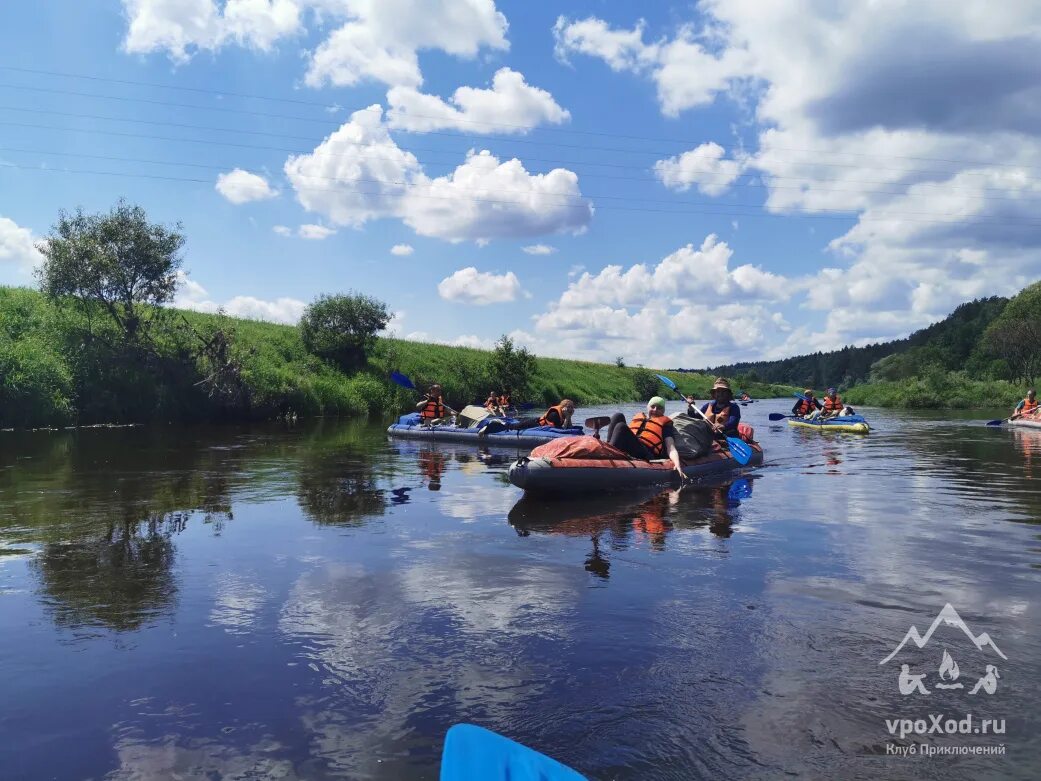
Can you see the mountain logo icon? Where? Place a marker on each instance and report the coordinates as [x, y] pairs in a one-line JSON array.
[[949, 617]]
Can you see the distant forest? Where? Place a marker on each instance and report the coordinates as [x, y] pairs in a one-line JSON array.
[[950, 343]]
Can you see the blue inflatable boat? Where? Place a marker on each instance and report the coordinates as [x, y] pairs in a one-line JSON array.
[[410, 426]]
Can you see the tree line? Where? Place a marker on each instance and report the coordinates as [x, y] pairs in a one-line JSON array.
[[991, 338]]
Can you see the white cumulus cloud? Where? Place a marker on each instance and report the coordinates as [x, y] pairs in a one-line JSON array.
[[283, 230], [18, 252], [470, 286], [371, 40], [920, 121], [687, 71], [703, 166], [689, 309], [539, 249], [402, 250], [180, 27], [382, 38], [510, 106], [240, 186], [315, 232], [358, 173]]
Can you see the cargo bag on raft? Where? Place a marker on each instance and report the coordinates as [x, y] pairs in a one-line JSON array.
[[693, 436], [471, 415]]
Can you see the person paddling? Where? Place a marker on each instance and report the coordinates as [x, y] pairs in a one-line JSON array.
[[807, 406], [832, 405], [650, 435], [432, 408], [557, 416], [722, 413], [1027, 406]]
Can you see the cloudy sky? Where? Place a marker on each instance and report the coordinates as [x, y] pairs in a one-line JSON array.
[[678, 183]]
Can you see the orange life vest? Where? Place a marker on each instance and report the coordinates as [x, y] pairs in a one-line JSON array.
[[491, 404], [1029, 407], [721, 417], [545, 421], [805, 407], [650, 431], [504, 401], [433, 409], [835, 405]]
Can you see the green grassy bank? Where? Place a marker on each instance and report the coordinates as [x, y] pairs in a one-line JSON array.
[[937, 389], [63, 365]]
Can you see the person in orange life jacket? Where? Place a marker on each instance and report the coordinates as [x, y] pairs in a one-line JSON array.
[[558, 416], [650, 434], [505, 400], [432, 408], [831, 407], [803, 408], [1027, 406], [723, 413]]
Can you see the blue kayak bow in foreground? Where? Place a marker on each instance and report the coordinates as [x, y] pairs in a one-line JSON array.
[[472, 753], [739, 449]]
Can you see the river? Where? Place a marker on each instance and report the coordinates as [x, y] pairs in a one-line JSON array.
[[317, 601]]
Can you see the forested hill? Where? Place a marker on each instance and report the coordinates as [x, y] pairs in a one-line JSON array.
[[949, 343]]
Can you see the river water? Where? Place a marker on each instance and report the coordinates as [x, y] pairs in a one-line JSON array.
[[317, 602]]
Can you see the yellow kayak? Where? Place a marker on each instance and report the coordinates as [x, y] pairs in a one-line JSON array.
[[849, 424]]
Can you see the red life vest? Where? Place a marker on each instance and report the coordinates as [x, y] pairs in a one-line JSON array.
[[833, 406], [433, 409], [805, 407], [650, 431], [545, 421]]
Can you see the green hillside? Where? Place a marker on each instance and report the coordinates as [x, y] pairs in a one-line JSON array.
[[60, 366], [984, 354], [950, 343]]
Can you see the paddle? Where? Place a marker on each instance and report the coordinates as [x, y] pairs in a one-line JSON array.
[[473, 753], [995, 422], [739, 449], [402, 380], [780, 416]]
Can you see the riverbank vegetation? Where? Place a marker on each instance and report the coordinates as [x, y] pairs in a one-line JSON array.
[[62, 365]]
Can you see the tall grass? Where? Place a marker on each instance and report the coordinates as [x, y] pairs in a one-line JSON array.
[[61, 365]]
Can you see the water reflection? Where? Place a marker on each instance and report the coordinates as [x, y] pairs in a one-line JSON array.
[[272, 602], [643, 521], [119, 578]]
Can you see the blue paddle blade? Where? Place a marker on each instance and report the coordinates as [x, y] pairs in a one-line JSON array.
[[995, 422], [667, 382], [739, 450], [402, 380], [800, 396], [778, 416], [473, 753]]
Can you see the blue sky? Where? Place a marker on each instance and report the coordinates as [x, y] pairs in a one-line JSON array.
[[693, 183]]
